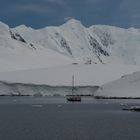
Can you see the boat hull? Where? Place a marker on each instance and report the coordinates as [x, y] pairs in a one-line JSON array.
[[132, 108], [74, 98]]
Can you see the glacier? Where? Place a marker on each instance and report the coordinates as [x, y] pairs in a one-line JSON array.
[[19, 89]]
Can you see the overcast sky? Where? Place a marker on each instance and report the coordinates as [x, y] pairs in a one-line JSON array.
[[40, 13]]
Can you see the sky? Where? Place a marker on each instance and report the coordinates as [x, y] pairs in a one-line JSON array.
[[41, 13]]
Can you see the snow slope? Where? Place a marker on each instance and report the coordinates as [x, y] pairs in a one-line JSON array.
[[17, 54], [95, 74], [20, 59], [126, 86]]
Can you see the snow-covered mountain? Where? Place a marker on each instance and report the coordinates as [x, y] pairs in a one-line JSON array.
[[49, 56], [23, 47]]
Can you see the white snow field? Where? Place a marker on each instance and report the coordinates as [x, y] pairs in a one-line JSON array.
[[92, 75]]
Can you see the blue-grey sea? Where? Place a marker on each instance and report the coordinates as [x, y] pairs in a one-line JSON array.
[[53, 118]]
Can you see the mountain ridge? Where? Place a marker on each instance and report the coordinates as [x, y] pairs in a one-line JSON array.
[[72, 42]]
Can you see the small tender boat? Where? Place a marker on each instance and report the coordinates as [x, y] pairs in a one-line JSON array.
[[72, 97], [132, 108]]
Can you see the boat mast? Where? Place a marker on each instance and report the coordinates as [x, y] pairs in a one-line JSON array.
[[72, 84]]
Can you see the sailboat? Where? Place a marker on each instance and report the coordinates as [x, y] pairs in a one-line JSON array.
[[73, 97]]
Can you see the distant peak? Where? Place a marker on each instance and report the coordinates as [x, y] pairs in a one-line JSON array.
[[132, 29], [22, 27], [4, 28], [73, 22], [3, 25]]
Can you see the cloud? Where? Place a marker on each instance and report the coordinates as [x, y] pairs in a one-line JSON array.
[[59, 2], [38, 13], [130, 8], [35, 8]]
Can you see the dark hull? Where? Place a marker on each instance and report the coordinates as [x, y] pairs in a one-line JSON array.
[[74, 98]]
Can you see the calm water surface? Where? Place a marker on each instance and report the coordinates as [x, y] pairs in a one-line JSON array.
[[49, 118]]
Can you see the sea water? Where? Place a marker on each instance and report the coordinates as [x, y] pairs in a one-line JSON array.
[[53, 118]]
